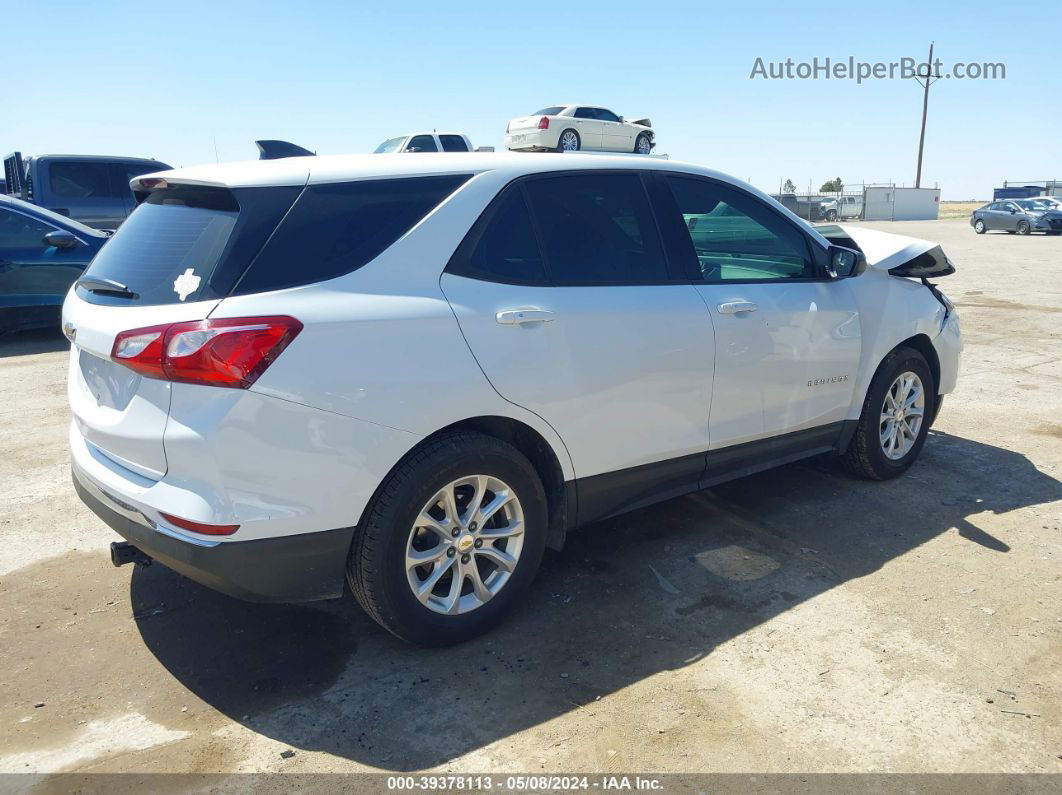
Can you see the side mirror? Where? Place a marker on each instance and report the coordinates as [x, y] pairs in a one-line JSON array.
[[844, 262], [60, 239], [1012, 211], [623, 119]]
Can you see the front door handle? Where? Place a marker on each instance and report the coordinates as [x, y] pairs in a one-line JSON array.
[[517, 317], [733, 307]]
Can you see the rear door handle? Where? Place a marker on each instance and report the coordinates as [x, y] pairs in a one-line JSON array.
[[733, 307], [517, 317]]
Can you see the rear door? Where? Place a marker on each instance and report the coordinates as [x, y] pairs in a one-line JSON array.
[[787, 339], [587, 125], [453, 143], [567, 302]]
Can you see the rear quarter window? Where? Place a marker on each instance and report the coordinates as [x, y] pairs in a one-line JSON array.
[[335, 229]]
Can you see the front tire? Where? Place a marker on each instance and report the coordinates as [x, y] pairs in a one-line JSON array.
[[1024, 228], [451, 540], [897, 412], [831, 215], [643, 144], [979, 226], [569, 141]]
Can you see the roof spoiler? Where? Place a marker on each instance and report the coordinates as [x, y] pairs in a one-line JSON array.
[[277, 150], [15, 176]]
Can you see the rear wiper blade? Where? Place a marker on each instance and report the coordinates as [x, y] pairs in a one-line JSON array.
[[97, 284]]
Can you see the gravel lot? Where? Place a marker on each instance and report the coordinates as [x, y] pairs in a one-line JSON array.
[[795, 621]]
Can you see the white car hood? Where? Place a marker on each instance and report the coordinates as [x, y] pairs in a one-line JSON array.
[[885, 250]]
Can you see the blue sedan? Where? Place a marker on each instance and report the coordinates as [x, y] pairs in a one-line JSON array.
[[41, 255]]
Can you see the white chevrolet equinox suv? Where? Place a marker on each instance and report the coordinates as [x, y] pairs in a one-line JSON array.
[[415, 374]]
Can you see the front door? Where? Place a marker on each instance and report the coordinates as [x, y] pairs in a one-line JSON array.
[[787, 339], [581, 322], [32, 273], [615, 136]]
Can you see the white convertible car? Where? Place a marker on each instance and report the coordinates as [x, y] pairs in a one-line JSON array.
[[570, 128]]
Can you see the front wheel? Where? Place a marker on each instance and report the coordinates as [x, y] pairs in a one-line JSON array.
[[451, 541], [643, 145], [979, 226], [831, 215], [895, 419], [1024, 228], [568, 141]]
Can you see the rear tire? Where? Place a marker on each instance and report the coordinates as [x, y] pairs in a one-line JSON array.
[[393, 529], [875, 452], [1024, 228], [979, 226], [569, 141]]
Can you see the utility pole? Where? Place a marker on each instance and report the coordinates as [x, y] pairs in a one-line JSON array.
[[925, 82]]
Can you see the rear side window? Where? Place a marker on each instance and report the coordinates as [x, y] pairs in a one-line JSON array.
[[597, 229], [453, 143], [507, 250], [335, 229], [422, 143], [73, 180]]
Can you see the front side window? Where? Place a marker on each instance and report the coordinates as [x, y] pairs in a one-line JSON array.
[[75, 180], [422, 143], [735, 238], [597, 229], [453, 143], [21, 231]]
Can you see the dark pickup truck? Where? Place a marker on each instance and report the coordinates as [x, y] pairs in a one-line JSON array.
[[92, 189]]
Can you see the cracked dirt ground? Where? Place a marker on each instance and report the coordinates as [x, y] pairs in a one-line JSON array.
[[797, 620]]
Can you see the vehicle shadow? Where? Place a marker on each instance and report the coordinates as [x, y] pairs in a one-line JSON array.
[[628, 598], [23, 343]]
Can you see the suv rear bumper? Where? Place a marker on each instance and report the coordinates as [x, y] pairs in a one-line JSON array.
[[298, 568]]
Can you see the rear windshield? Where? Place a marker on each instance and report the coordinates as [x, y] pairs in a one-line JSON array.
[[167, 249], [550, 111], [189, 244]]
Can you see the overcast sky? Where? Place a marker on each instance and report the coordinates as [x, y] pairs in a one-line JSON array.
[[176, 81]]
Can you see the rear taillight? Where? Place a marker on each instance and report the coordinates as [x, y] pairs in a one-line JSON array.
[[228, 352], [543, 123]]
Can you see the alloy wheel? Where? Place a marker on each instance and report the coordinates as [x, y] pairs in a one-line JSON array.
[[465, 544], [569, 141], [902, 415], [644, 146]]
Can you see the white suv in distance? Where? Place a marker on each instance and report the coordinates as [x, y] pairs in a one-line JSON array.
[[571, 128], [417, 373]]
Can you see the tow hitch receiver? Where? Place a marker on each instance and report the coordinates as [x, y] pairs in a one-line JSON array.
[[123, 552]]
